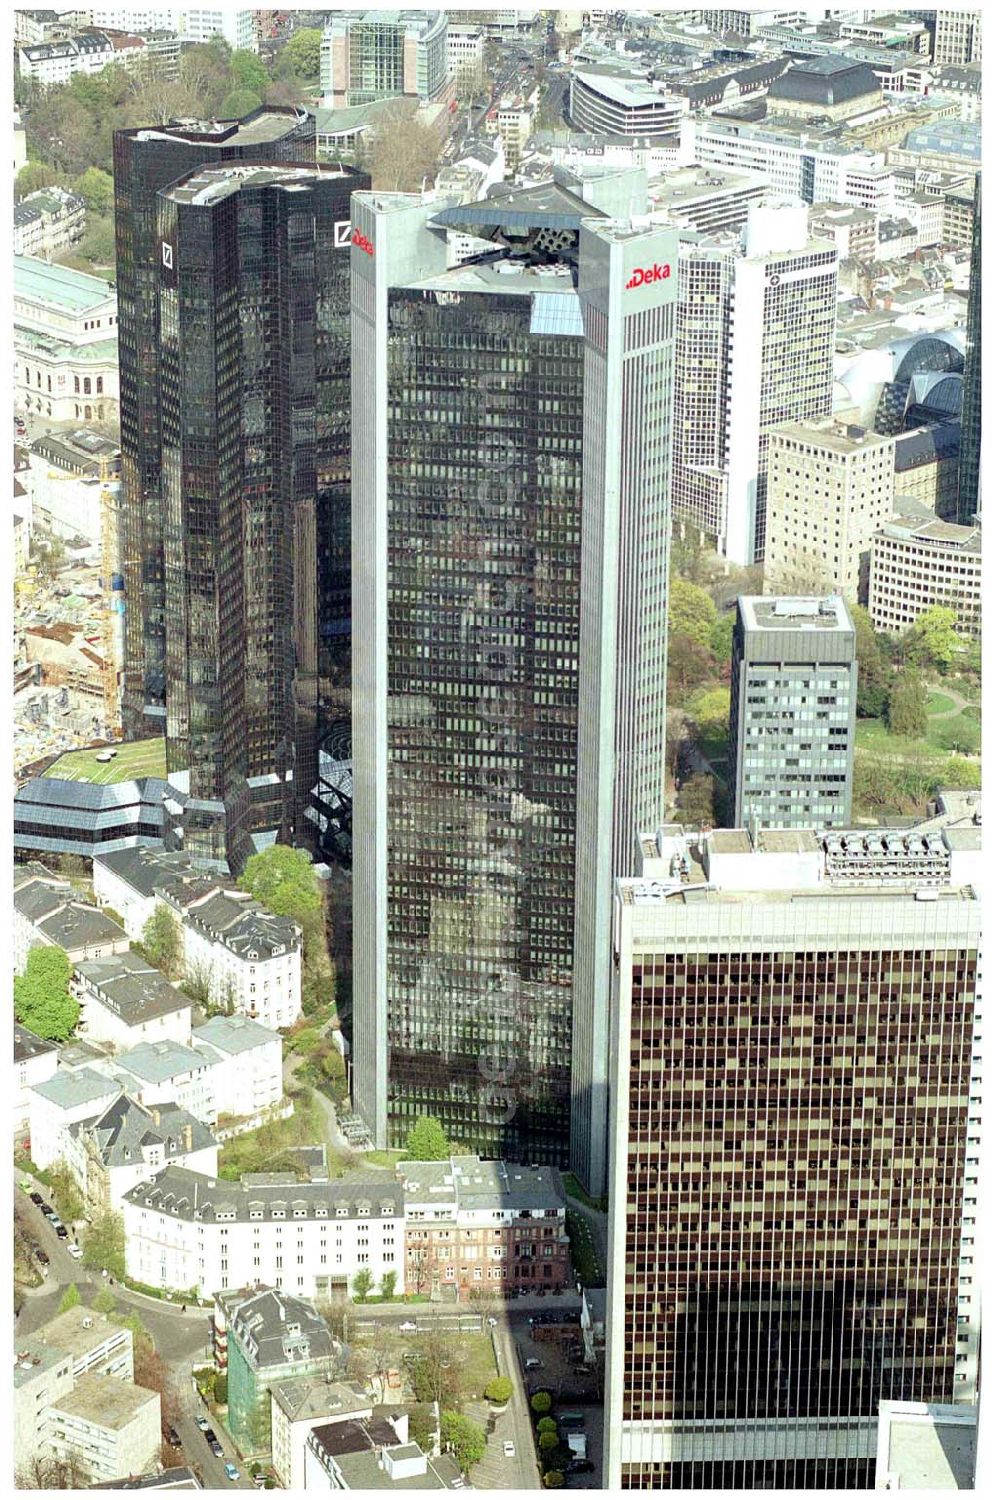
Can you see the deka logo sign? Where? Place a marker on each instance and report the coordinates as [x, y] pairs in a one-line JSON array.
[[646, 275], [363, 242]]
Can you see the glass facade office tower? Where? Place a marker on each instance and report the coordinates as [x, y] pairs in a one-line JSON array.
[[369, 55], [791, 717], [756, 319], [795, 1154], [252, 297], [496, 513], [972, 386], [145, 161]]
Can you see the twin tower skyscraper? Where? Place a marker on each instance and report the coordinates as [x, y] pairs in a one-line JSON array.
[[497, 478]]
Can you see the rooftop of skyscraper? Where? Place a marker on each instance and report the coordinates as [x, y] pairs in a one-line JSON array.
[[269, 123], [766, 613], [210, 184]]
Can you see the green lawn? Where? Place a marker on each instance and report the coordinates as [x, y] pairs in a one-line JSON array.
[[139, 758], [938, 704]]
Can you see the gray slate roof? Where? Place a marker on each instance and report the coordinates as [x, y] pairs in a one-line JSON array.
[[274, 1330], [126, 1127], [27, 1044], [130, 987], [189, 1195], [155, 1062], [234, 1034], [67, 1090]]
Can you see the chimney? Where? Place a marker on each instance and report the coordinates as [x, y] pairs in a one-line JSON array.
[[155, 1113], [188, 1137]]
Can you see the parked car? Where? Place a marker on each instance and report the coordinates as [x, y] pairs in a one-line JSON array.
[[41, 1256], [202, 1424], [217, 1449], [36, 1198], [173, 1437], [74, 1250], [579, 1466], [532, 1363], [61, 1230], [509, 1451], [408, 1327], [48, 1210], [210, 1436], [232, 1472], [259, 1481]]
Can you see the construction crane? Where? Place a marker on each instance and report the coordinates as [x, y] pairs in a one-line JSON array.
[[109, 603]]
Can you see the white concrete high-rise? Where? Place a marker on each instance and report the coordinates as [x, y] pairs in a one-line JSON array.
[[755, 341]]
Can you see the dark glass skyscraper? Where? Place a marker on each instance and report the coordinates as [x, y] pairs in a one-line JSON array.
[[972, 388], [252, 259], [145, 161], [511, 664]]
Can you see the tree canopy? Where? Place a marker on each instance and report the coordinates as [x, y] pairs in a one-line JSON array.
[[162, 941], [908, 707], [691, 612], [464, 1438], [300, 54], [933, 638], [104, 1246], [427, 1140], [42, 1000]]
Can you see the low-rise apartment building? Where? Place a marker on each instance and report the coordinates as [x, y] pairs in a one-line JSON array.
[[127, 1144], [298, 1407], [35, 1061], [375, 1455], [184, 1230], [95, 1345], [917, 564], [49, 220], [65, 1099], [47, 914], [110, 1426], [271, 1336], [487, 1224], [125, 1001], [247, 1073]]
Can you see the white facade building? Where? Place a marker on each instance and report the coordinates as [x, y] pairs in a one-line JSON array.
[[51, 219], [298, 1407], [111, 1426], [167, 1073], [253, 961], [187, 1231], [247, 1074], [129, 1144], [813, 169], [65, 343], [35, 1061], [61, 1101], [755, 346], [56, 62], [125, 1001]]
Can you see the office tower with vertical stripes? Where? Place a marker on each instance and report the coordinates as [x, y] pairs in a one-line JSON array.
[[796, 1097], [510, 562], [756, 320]]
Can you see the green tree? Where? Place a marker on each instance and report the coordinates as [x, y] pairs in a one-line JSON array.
[[301, 53], [70, 1298], [387, 1286], [98, 243], [34, 176], [499, 1390], [97, 189], [554, 1480], [42, 1000], [720, 640], [710, 711], [221, 1388], [463, 1438], [908, 708], [239, 103], [104, 1246], [362, 1284], [267, 872], [547, 1441], [933, 639], [696, 800], [547, 1424], [541, 1403], [427, 1140], [434, 1372], [692, 611], [874, 670], [248, 72], [65, 1192], [63, 132], [422, 1428], [402, 152], [162, 941], [104, 1302]]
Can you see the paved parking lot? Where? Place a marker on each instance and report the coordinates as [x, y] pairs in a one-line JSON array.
[[559, 1373]]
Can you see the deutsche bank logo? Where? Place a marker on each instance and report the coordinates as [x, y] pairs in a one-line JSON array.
[[168, 255], [342, 235]]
